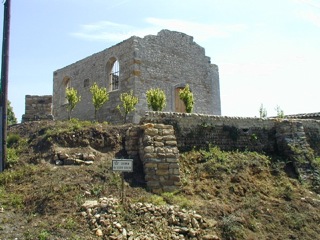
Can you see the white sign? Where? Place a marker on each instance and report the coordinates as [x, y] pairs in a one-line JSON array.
[[122, 165]]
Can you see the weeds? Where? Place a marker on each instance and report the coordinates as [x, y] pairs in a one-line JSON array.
[[174, 198]]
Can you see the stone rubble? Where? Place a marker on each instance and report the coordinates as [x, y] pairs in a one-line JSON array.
[[109, 219], [61, 158]]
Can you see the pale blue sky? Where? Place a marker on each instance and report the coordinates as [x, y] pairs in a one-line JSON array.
[[268, 51]]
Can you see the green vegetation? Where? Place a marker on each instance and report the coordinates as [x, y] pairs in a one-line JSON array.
[[73, 100], [280, 112], [262, 111], [240, 194], [129, 101], [156, 99], [11, 116], [99, 97], [187, 97]]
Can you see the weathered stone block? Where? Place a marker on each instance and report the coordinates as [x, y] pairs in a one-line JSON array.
[[159, 150], [171, 143], [158, 144], [167, 132], [149, 149], [171, 160], [151, 165], [151, 131], [162, 166], [150, 156], [174, 166], [162, 172]]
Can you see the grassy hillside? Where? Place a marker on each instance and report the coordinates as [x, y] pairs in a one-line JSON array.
[[224, 195]]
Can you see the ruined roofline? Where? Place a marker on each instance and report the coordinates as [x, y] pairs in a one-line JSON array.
[[189, 39]]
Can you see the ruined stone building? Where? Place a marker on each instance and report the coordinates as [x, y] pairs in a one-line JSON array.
[[168, 61]]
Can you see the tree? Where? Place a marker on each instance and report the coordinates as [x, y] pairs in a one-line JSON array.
[[156, 99], [11, 117], [187, 98], [73, 99], [99, 97], [262, 111], [129, 101]]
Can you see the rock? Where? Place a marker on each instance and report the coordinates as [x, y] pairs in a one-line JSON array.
[[62, 156], [194, 223], [124, 233], [210, 237], [90, 204], [99, 232], [59, 162]]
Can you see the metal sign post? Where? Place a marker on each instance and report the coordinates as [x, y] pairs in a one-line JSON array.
[[122, 165], [4, 85]]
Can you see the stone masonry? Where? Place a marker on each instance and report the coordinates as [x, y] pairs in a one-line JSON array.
[[37, 108], [168, 60], [156, 146]]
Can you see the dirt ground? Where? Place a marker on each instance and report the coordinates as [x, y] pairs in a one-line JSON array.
[[248, 195]]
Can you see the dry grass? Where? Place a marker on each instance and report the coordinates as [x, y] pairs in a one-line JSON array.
[[250, 195]]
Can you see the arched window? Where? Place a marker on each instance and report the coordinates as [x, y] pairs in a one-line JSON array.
[[113, 74]]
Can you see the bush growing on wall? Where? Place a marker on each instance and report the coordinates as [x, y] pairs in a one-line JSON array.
[[73, 99], [187, 98], [156, 99], [262, 111]]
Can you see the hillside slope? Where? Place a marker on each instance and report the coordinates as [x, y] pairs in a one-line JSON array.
[[224, 195]]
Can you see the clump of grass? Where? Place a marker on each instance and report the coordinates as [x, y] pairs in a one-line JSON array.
[[217, 162], [176, 199], [12, 140], [12, 157]]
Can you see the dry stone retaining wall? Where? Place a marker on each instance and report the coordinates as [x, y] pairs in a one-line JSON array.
[[156, 146]]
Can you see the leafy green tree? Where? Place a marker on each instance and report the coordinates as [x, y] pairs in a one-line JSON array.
[[73, 99], [11, 116], [99, 97], [187, 98], [156, 99], [262, 111], [129, 101]]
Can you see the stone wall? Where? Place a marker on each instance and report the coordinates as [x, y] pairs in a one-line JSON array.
[[168, 60], [296, 140], [37, 108], [229, 133], [156, 146]]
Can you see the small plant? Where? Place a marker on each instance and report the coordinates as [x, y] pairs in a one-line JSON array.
[[129, 101], [73, 99], [43, 235], [99, 97], [262, 111], [174, 198], [187, 97], [12, 157], [280, 113], [156, 99]]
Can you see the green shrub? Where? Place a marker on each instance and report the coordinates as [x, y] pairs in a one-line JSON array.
[[187, 98], [12, 139], [12, 157], [156, 99]]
